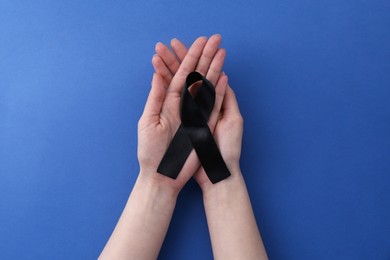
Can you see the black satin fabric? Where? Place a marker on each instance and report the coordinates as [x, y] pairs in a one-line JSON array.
[[195, 133]]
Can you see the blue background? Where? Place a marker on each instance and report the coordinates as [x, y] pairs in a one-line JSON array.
[[313, 82]]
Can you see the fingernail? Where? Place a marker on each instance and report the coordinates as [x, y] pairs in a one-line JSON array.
[[202, 37], [217, 35]]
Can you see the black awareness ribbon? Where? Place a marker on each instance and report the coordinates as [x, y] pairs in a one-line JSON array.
[[194, 133]]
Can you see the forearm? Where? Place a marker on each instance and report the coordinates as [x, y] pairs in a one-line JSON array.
[[143, 224], [232, 225]]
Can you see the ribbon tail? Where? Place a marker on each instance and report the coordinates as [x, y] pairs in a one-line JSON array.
[[208, 153], [176, 155]]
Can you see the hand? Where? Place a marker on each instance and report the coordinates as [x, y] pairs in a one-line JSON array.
[[227, 127], [161, 117]]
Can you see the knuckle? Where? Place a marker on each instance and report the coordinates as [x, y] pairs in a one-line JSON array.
[[238, 120], [140, 123]]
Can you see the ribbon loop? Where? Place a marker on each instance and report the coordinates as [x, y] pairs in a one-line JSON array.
[[195, 133]]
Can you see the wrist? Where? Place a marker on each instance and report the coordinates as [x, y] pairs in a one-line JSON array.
[[144, 221], [223, 189], [157, 185]]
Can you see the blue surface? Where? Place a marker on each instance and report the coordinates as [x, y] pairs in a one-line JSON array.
[[313, 83]]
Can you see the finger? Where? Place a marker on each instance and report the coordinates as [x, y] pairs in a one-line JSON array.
[[179, 48], [230, 106], [156, 96], [168, 57], [161, 68], [216, 65], [208, 54], [220, 92], [188, 65]]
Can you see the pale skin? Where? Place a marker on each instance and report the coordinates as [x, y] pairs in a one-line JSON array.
[[144, 222]]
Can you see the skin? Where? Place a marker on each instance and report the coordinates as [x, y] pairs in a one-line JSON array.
[[144, 222]]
